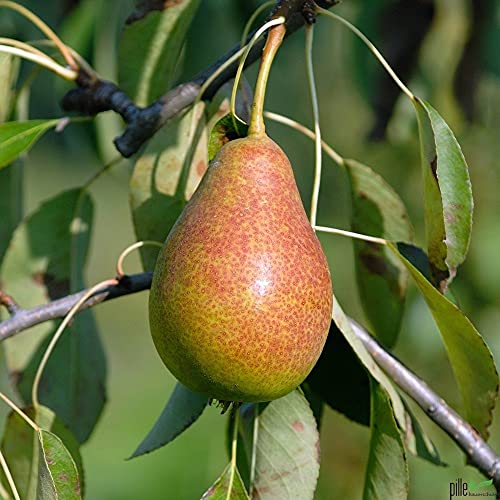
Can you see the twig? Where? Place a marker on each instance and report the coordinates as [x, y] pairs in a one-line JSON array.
[[9, 303], [479, 453], [95, 96], [22, 319]]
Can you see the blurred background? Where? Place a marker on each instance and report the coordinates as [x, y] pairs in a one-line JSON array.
[[447, 51]]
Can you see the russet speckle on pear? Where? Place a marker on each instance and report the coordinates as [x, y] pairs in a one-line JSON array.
[[241, 299]]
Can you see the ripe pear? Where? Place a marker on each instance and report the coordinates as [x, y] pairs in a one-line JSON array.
[[241, 299]]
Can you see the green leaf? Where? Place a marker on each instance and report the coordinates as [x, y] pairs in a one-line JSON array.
[[224, 131], [160, 183], [286, 453], [150, 48], [387, 470], [382, 280], [339, 363], [448, 194], [46, 260], [17, 137], [469, 356], [57, 472], [183, 409], [344, 325], [20, 445], [220, 489]]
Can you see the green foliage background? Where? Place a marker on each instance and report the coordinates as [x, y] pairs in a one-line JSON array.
[[138, 382]]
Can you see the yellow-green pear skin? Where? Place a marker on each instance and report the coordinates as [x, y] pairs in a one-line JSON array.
[[241, 298]]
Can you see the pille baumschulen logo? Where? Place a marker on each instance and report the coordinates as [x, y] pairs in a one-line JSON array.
[[460, 488]]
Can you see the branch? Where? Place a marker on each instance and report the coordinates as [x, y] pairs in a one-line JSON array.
[[95, 96], [22, 319], [479, 453]]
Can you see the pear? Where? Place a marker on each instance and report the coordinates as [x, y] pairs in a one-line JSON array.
[[241, 299]]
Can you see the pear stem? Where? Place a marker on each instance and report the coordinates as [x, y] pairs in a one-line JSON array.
[[273, 42], [246, 50]]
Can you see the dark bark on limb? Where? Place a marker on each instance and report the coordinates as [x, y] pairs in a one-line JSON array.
[[479, 453], [92, 97]]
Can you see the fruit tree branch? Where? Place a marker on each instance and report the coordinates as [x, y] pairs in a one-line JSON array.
[[95, 96], [479, 453]]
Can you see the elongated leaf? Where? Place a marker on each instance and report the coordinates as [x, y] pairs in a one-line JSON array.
[[57, 472], [224, 489], [338, 363], [159, 180], [469, 356], [387, 470], [448, 194], [150, 48], [182, 410], [20, 445], [345, 326], [45, 260], [286, 453], [17, 137], [382, 280]]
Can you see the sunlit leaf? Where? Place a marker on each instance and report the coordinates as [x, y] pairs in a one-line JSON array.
[[150, 47], [57, 472], [448, 195], [387, 470], [339, 363], [159, 180], [225, 489], [182, 410], [45, 260], [382, 280], [20, 445], [17, 137], [286, 453], [469, 356]]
